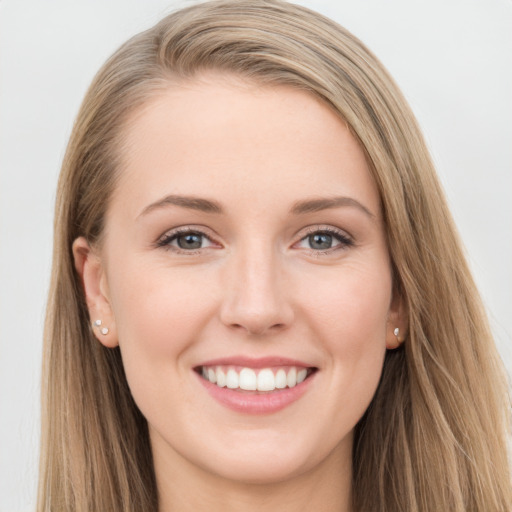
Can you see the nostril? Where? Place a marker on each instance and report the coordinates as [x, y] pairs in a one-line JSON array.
[[254, 329]]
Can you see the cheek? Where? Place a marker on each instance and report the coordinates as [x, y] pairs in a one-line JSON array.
[[351, 309], [157, 307], [159, 315], [349, 319]]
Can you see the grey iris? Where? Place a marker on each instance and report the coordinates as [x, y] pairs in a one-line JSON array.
[[190, 241], [320, 241]]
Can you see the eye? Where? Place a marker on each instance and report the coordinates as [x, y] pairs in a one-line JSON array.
[[190, 241], [320, 241], [185, 240], [325, 240]]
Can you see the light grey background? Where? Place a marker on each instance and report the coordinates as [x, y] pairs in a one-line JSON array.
[[452, 58]]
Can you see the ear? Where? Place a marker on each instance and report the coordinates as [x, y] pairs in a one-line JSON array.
[[94, 282], [397, 323]]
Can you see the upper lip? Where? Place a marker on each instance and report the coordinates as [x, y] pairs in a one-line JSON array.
[[259, 362]]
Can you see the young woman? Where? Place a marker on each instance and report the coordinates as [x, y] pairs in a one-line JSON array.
[[259, 300]]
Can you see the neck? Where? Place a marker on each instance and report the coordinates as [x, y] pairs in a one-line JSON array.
[[183, 486]]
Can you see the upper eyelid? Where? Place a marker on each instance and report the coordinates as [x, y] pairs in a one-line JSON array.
[[323, 228], [180, 230]]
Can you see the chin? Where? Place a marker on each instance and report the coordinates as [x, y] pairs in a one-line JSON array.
[[262, 470], [256, 459]]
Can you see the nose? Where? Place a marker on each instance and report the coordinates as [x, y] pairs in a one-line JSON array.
[[255, 295]]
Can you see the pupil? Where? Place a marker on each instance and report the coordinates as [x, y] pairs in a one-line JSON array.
[[190, 241], [320, 241]]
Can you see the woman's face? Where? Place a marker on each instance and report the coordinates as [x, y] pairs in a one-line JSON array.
[[244, 244]]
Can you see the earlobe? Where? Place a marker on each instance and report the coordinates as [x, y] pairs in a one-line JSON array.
[[397, 324], [92, 276], [395, 340]]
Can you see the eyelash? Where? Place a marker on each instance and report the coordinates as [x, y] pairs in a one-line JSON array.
[[166, 240], [344, 240]]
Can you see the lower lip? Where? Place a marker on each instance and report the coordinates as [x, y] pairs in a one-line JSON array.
[[253, 403]]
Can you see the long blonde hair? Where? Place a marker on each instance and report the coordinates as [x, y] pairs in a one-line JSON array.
[[434, 437]]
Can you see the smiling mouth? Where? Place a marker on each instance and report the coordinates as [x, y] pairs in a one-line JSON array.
[[261, 380]]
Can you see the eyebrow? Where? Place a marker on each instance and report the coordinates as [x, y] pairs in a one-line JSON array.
[[319, 204], [298, 208], [190, 202]]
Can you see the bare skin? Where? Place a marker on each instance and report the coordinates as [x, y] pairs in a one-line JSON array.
[[245, 224], [326, 490]]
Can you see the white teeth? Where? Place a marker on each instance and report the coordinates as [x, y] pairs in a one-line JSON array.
[[254, 380], [212, 376], [266, 380], [291, 378], [232, 379], [301, 375], [221, 378], [280, 379], [247, 379]]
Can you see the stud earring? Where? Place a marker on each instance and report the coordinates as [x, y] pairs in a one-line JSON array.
[[103, 330], [396, 332]]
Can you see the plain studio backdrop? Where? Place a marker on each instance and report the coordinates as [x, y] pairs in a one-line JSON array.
[[452, 59]]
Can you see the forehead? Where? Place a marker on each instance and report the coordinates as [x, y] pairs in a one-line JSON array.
[[222, 136]]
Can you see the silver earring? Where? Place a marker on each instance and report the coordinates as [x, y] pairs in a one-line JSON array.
[[103, 330], [396, 332]]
